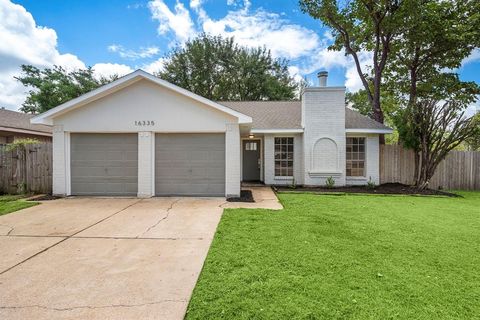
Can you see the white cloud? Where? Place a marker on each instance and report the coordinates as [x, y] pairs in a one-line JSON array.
[[304, 48], [263, 28], [154, 66], [110, 69], [195, 3], [353, 81], [177, 21], [144, 52], [473, 57], [23, 42]]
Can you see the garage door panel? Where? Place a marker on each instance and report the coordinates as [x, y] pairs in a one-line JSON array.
[[190, 164], [104, 164]]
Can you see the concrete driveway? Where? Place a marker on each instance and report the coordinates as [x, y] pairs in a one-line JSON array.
[[93, 258]]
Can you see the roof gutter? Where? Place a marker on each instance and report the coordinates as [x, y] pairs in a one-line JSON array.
[[276, 131], [26, 131], [378, 131]]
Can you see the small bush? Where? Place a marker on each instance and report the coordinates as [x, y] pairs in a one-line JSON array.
[[21, 143], [371, 184], [330, 182]]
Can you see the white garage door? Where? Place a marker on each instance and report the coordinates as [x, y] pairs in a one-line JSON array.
[[104, 164], [190, 164]]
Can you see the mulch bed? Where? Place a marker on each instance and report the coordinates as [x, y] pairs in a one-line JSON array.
[[387, 188], [245, 196], [44, 197]]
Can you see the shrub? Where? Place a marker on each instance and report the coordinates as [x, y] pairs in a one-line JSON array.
[[330, 182], [371, 184]]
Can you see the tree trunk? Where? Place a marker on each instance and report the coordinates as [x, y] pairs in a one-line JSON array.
[[417, 168]]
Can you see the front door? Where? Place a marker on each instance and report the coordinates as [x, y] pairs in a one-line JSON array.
[[251, 160]]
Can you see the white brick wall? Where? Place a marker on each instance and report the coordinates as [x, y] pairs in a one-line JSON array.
[[59, 161], [146, 164], [372, 161], [323, 117], [269, 160], [232, 160]]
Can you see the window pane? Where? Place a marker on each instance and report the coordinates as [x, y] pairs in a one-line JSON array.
[[284, 151], [355, 156]]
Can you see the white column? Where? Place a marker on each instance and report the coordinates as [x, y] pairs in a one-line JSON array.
[[146, 164], [232, 160], [59, 162]]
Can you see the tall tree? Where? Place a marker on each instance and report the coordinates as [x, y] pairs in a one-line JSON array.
[[51, 87], [436, 37], [440, 128], [219, 69], [362, 26]]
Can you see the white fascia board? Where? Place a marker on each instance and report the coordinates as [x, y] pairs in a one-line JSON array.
[[46, 117], [276, 131], [26, 131], [379, 131]]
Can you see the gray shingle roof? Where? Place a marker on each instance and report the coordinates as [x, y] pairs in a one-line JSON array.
[[270, 114], [18, 120], [356, 120], [288, 115]]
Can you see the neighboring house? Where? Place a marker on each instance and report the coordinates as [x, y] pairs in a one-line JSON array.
[[16, 125], [143, 136]]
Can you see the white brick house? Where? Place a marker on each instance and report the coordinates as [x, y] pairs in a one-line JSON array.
[[142, 136]]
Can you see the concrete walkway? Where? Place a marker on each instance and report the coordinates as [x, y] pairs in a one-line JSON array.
[[108, 258]]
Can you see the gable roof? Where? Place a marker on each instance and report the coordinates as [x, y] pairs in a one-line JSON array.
[[287, 115], [46, 117], [20, 122]]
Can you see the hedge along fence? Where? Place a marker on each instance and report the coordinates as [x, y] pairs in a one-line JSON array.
[[26, 172], [459, 171]]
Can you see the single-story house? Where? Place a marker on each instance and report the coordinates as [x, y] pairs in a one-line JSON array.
[[142, 136], [16, 125]]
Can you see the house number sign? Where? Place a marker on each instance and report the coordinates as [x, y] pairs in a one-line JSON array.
[[144, 123]]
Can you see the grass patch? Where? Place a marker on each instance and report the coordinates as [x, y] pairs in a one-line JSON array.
[[345, 257], [11, 203]]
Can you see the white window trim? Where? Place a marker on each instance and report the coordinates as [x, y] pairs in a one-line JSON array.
[[365, 164], [293, 160]]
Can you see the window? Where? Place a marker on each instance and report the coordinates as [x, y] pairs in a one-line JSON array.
[[250, 146], [284, 157], [355, 157]]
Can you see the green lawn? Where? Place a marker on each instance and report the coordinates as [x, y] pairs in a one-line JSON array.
[[345, 257], [13, 203]]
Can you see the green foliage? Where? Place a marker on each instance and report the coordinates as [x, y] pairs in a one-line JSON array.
[[21, 143], [330, 182], [359, 101], [371, 184], [219, 69], [344, 257], [51, 87], [473, 143], [360, 26], [436, 37]]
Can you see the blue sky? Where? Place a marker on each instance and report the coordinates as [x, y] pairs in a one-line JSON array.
[[123, 35]]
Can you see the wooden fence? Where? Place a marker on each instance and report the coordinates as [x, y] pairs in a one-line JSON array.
[[460, 170], [31, 170]]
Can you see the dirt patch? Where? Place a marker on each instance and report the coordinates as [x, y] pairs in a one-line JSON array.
[[245, 196], [387, 188], [43, 197]]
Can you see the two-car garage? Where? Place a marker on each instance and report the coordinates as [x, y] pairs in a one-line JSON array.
[[142, 136], [187, 164]]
